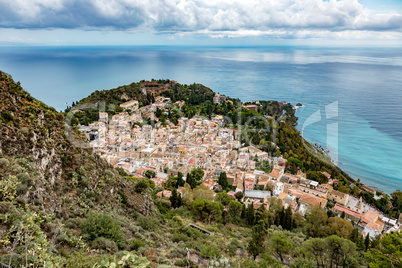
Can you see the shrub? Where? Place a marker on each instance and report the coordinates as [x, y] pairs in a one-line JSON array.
[[147, 223], [25, 179], [4, 162], [17, 169], [104, 244], [123, 196], [7, 116], [21, 189], [141, 186], [181, 263], [177, 237], [101, 225], [15, 260], [136, 243]]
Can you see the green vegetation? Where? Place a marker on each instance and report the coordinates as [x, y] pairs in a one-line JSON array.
[[62, 206]]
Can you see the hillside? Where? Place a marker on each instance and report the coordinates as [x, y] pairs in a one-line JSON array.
[[63, 206], [47, 183]]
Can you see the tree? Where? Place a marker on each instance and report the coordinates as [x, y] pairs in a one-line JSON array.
[[376, 259], [339, 249], [197, 173], [224, 198], [223, 180], [191, 181], [215, 210], [302, 263], [175, 199], [389, 253], [280, 244], [150, 174], [288, 222], [180, 181], [317, 221], [199, 208], [357, 238], [239, 195], [235, 209], [340, 227], [256, 244], [317, 247], [243, 212], [250, 214], [201, 191], [367, 243]]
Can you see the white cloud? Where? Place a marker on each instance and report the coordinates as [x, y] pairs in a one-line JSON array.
[[220, 18]]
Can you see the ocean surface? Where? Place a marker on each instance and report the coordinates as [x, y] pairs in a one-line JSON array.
[[352, 97]]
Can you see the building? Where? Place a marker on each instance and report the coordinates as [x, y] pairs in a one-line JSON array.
[[218, 99], [349, 214], [307, 200], [276, 174], [338, 197], [132, 105], [314, 189], [371, 220], [103, 117], [278, 188], [256, 194], [251, 107]]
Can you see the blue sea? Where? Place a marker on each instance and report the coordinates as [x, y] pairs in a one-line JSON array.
[[352, 97]]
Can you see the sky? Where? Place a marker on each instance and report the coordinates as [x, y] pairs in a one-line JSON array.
[[200, 22]]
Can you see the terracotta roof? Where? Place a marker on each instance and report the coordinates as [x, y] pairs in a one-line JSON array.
[[275, 173], [282, 195], [313, 200], [370, 216], [348, 211]]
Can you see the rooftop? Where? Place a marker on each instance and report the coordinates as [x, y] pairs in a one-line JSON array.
[[256, 194]]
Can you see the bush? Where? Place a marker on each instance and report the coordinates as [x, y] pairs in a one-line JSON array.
[[181, 263], [16, 260], [24, 178], [101, 225], [17, 169], [123, 196], [4, 162], [104, 244], [147, 223], [21, 189], [7, 116], [141, 186], [136, 243]]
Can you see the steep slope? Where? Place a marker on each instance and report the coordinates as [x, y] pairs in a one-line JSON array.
[[45, 179]]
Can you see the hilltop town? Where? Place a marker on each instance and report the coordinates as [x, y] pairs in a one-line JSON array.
[[142, 145]]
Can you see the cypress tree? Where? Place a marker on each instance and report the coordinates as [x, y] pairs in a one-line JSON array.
[[367, 242], [173, 198], [288, 219], [191, 181], [223, 180], [180, 181], [250, 214], [282, 217], [244, 212]]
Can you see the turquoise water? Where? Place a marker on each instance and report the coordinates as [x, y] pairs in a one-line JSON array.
[[364, 86]]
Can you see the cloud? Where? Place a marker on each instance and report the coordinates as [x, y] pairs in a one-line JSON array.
[[211, 17]]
